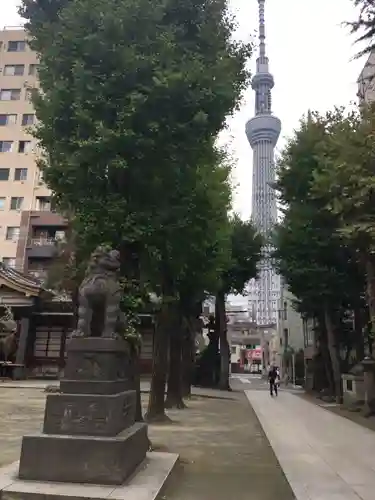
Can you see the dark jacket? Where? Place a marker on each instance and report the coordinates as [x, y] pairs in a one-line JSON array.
[[272, 375]]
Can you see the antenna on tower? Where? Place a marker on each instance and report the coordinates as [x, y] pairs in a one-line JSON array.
[[262, 29]]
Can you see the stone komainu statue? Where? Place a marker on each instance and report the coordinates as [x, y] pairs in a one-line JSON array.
[[8, 335], [100, 295], [7, 323]]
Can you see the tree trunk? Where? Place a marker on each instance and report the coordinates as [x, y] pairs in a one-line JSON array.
[[187, 359], [370, 285], [221, 322], [334, 354], [359, 339], [155, 411], [327, 366], [174, 391]]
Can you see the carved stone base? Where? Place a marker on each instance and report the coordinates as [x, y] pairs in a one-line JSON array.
[[94, 364], [78, 459], [89, 415], [89, 430]]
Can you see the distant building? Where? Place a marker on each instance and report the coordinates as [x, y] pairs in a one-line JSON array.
[[29, 225]]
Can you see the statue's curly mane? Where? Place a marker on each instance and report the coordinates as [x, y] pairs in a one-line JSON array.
[[100, 294], [97, 259]]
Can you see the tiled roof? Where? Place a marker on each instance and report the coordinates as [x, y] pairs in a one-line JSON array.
[[29, 282]]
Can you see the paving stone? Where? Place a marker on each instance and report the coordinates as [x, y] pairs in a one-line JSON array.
[[323, 455]]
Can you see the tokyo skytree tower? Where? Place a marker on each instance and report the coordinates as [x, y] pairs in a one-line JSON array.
[[262, 132]]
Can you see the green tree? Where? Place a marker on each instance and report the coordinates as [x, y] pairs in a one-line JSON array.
[[245, 246], [204, 263], [347, 183], [189, 239], [364, 25], [318, 267], [132, 95]]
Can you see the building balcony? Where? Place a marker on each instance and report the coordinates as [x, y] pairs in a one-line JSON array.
[[42, 248], [47, 219]]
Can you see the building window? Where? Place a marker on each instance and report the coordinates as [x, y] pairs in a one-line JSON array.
[[286, 338], [43, 203], [2, 203], [20, 174], [14, 70], [4, 174], [48, 341], [308, 332], [24, 147], [6, 146], [16, 203], [17, 46], [28, 119], [8, 120], [9, 262], [13, 233], [10, 94], [33, 69]]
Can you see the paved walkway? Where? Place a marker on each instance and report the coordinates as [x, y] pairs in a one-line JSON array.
[[324, 456], [223, 450]]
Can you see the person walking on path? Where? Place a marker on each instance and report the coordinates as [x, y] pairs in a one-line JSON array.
[[272, 378]]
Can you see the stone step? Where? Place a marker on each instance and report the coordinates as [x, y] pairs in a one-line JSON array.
[[83, 459]]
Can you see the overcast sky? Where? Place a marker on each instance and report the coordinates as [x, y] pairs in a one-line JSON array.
[[310, 57]]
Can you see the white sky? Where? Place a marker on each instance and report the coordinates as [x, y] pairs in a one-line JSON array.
[[310, 57]]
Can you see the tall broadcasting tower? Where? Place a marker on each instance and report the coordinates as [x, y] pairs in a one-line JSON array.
[[262, 133]]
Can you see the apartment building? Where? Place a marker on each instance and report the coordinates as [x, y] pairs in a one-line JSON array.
[[28, 224]]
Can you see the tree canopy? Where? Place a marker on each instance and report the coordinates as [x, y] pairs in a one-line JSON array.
[[347, 184], [132, 97], [316, 261], [245, 254], [364, 26], [128, 111]]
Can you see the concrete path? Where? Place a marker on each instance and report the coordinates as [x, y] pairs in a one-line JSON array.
[[324, 456], [241, 381], [223, 451]]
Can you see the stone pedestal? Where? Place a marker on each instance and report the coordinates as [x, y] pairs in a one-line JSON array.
[[89, 433]]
